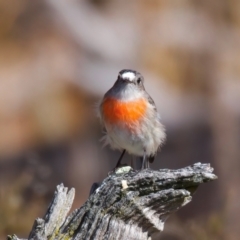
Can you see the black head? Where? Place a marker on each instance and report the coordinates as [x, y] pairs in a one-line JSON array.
[[131, 77]]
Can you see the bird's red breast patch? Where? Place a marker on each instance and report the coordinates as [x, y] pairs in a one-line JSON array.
[[116, 111]]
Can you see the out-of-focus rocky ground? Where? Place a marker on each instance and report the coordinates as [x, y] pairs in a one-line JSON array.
[[57, 58]]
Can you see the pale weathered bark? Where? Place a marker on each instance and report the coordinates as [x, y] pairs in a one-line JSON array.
[[126, 205]]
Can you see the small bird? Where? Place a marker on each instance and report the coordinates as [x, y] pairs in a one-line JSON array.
[[130, 118]]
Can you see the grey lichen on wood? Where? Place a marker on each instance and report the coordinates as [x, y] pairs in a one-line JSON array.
[[127, 205]]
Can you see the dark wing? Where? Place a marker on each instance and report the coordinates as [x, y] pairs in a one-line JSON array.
[[150, 100]]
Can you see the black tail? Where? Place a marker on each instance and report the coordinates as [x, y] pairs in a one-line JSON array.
[[151, 158]]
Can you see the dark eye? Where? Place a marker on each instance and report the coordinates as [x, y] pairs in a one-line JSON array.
[[139, 81]]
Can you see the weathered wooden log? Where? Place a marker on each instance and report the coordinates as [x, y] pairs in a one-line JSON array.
[[126, 205]]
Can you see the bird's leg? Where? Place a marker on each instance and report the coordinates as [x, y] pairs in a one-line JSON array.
[[120, 159], [147, 163], [144, 161]]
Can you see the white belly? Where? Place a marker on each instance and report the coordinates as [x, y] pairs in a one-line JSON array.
[[146, 139]]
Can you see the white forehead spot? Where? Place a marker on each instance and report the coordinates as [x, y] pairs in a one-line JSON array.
[[129, 75]]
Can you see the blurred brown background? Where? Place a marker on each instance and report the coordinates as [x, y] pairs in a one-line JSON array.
[[58, 57]]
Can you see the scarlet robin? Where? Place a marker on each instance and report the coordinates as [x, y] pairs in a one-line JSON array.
[[130, 118]]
